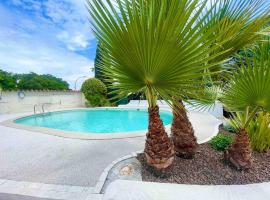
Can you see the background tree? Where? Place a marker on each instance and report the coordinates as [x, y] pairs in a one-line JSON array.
[[34, 81], [95, 92], [31, 81], [100, 75], [7, 80]]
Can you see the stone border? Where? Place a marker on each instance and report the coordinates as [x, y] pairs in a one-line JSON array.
[[104, 174], [80, 135]]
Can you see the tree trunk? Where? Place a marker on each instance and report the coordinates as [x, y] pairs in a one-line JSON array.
[[239, 153], [159, 150], [185, 142]]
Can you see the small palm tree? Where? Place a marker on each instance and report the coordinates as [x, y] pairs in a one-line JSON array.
[[238, 21], [248, 92]]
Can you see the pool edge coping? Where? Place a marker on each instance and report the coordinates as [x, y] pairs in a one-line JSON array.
[[80, 135]]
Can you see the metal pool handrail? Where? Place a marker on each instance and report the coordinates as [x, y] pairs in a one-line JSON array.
[[42, 106]]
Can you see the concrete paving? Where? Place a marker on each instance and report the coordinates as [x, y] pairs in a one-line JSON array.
[[136, 190], [4, 196], [42, 190], [19, 197], [35, 157]]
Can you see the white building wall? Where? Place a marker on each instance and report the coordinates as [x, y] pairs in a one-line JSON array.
[[15, 101]]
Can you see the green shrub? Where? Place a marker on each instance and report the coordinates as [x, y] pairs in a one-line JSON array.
[[230, 128], [95, 92], [259, 132], [221, 142]]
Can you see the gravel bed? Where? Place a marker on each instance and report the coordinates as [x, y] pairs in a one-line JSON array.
[[209, 168]]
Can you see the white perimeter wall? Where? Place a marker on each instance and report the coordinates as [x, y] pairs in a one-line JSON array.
[[10, 102]]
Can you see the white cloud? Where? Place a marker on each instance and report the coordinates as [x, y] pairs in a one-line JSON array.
[[46, 43], [28, 4], [74, 41], [20, 56], [69, 14], [63, 20]]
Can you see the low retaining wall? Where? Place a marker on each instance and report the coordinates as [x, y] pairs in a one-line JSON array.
[[25, 101]]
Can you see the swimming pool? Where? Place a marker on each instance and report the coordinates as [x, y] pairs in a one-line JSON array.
[[97, 121]]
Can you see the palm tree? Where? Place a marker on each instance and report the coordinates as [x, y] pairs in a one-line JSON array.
[[239, 22], [248, 92], [157, 48]]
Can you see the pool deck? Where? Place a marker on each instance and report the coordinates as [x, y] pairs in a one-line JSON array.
[[48, 166], [34, 157]]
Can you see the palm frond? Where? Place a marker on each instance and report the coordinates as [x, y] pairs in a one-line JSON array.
[[238, 120], [250, 85], [157, 47], [206, 99], [243, 21]]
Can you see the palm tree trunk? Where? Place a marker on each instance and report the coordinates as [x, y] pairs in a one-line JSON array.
[[185, 142], [239, 153], [159, 150]]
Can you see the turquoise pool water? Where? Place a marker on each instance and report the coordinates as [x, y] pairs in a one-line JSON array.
[[94, 121]]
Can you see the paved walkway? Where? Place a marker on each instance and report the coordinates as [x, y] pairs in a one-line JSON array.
[[14, 189], [18, 197], [30, 158], [36, 157], [134, 190]]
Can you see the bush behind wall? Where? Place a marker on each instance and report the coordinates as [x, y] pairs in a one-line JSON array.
[[95, 92]]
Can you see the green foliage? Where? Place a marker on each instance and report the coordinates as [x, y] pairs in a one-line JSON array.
[[123, 101], [259, 132], [95, 92], [34, 81], [155, 47], [249, 86], [98, 60], [248, 93], [238, 120], [161, 48], [98, 101], [229, 127], [7, 80], [31, 81], [241, 21], [258, 129], [94, 86], [100, 75], [221, 142]]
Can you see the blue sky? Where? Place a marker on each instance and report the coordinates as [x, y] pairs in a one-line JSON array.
[[46, 36]]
